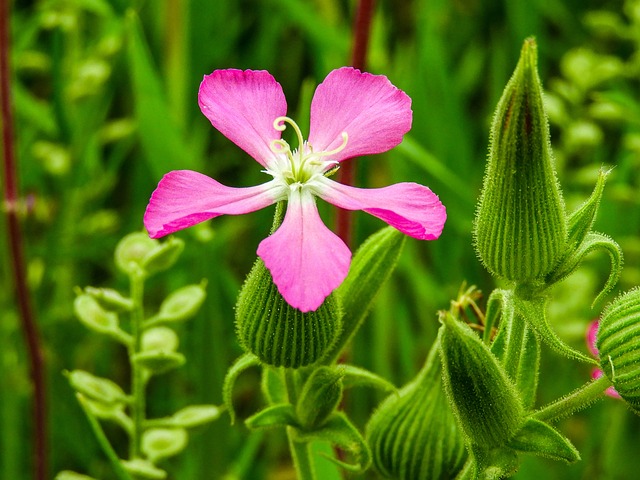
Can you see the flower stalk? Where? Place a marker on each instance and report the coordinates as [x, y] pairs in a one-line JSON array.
[[138, 377], [16, 254], [361, 31]]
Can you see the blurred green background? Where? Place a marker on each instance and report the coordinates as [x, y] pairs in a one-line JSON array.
[[105, 98]]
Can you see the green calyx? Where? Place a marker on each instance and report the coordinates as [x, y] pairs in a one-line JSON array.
[[278, 334], [618, 342], [413, 435], [484, 399], [275, 332], [520, 228]]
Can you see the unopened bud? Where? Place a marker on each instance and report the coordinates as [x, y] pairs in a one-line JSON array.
[[520, 228], [413, 434], [618, 341], [482, 396], [275, 332]]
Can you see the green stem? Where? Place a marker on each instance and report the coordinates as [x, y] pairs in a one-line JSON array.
[[138, 377], [104, 443], [577, 400], [300, 450]]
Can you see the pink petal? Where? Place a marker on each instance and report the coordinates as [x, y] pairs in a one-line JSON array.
[[611, 392], [411, 208], [307, 261], [592, 331], [242, 105], [373, 112], [184, 198]]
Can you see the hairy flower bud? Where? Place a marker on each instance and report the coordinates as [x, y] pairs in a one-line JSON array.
[[278, 334], [520, 228], [413, 434], [484, 399], [618, 341]]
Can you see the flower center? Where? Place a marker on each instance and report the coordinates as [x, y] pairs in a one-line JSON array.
[[298, 167]]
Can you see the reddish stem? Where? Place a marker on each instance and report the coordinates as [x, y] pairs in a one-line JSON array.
[[344, 222], [14, 232]]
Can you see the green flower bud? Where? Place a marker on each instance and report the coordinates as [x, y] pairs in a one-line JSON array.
[[320, 396], [483, 398], [520, 228], [618, 342], [413, 434], [278, 334]]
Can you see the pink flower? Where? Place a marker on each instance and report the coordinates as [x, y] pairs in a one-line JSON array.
[[352, 114], [592, 331]]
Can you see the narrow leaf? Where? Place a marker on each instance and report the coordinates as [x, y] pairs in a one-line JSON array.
[[534, 314], [162, 142], [541, 439], [359, 377], [581, 221], [370, 268], [593, 241], [240, 365], [281, 415], [339, 431]]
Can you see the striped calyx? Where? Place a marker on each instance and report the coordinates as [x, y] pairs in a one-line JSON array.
[[278, 334], [618, 342], [413, 434], [520, 228], [483, 398]]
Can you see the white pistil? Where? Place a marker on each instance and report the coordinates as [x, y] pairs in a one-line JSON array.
[[304, 162]]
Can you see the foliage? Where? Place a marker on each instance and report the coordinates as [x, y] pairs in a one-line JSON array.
[[105, 102]]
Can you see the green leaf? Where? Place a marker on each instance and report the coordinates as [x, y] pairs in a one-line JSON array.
[[360, 377], [541, 439], [244, 362], [339, 431], [517, 347], [162, 141], [320, 396], [534, 314], [371, 266], [273, 386], [581, 221], [281, 415], [593, 241]]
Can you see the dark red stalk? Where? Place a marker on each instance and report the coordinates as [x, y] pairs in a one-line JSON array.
[[361, 29], [16, 253]]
